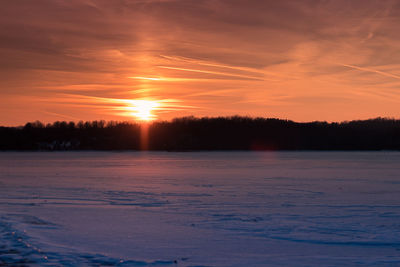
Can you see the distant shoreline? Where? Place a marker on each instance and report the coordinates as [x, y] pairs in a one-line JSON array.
[[191, 134]]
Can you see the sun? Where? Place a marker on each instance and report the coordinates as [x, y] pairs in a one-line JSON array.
[[142, 109]]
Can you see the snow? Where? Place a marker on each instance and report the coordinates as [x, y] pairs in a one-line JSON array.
[[200, 209]]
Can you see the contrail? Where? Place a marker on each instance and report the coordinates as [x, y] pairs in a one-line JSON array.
[[212, 64], [372, 70], [170, 79], [254, 71], [213, 72]]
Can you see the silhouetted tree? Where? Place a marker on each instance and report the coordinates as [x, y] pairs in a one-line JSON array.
[[221, 133]]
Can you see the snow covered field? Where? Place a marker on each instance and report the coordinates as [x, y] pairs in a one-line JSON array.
[[200, 209]]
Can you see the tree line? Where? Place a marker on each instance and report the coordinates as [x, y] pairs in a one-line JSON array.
[[192, 134]]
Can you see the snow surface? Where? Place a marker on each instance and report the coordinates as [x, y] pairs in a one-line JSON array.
[[200, 209]]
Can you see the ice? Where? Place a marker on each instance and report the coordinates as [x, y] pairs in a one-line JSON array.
[[200, 208]]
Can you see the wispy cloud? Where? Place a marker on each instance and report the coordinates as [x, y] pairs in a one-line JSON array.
[[217, 73], [170, 79], [123, 107], [62, 116], [254, 71], [284, 58], [387, 74]]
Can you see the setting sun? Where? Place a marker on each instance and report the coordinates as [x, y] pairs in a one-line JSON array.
[[142, 109], [199, 133]]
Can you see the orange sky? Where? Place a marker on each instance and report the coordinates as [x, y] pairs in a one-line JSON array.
[[302, 60]]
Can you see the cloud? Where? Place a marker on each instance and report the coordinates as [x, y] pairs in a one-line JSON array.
[[218, 53], [397, 77]]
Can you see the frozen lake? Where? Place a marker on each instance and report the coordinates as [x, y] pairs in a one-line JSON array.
[[200, 209]]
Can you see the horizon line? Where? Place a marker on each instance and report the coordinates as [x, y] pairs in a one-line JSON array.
[[140, 122]]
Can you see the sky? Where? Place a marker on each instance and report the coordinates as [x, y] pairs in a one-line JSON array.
[[302, 60]]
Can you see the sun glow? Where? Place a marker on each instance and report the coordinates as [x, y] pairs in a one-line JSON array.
[[142, 109]]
